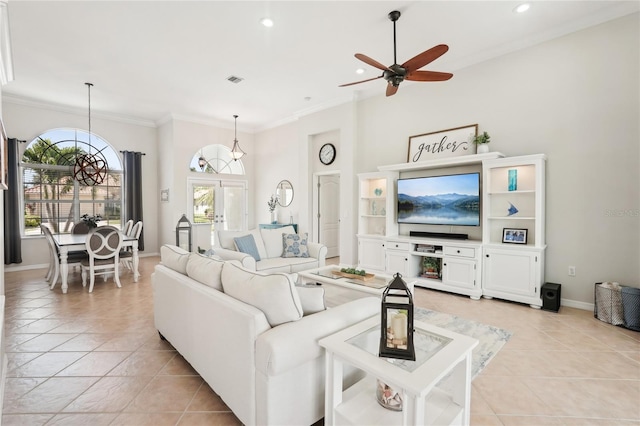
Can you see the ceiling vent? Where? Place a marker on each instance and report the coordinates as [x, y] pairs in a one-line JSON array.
[[234, 79]]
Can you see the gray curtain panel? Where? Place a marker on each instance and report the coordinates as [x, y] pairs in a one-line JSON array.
[[12, 239], [133, 189]]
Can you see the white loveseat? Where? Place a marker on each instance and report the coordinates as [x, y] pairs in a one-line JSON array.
[[270, 251], [245, 334]]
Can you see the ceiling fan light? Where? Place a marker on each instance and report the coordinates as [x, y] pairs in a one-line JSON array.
[[522, 8], [360, 71]]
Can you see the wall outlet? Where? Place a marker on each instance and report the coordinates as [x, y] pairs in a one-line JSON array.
[[572, 271]]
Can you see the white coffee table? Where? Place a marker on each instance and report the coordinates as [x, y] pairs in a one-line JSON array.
[[439, 353], [340, 289]]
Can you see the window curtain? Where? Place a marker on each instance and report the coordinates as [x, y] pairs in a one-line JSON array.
[[12, 239], [133, 189]]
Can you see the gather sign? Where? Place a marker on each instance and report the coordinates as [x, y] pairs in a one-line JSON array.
[[441, 144]]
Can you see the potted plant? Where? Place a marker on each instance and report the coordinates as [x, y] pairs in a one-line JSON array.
[[481, 141], [272, 203]]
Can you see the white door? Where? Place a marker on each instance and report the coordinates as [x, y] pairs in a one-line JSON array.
[[329, 213], [216, 205]]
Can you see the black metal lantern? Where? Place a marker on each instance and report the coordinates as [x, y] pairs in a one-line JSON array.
[[183, 233], [396, 329]]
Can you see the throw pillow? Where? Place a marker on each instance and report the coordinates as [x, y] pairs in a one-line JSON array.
[[225, 239], [205, 270], [272, 239], [273, 294], [295, 245], [311, 298], [247, 244], [174, 257]]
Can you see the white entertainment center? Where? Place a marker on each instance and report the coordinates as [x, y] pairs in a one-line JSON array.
[[489, 264]]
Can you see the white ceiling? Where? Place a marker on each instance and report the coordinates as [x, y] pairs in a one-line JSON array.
[[151, 59]]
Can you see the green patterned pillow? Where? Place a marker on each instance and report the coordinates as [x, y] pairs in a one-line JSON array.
[[295, 245]]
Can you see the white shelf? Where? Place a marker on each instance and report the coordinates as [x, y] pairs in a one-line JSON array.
[[511, 218], [442, 162], [360, 407], [524, 191]]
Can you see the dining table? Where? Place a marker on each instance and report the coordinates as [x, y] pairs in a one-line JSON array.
[[74, 242]]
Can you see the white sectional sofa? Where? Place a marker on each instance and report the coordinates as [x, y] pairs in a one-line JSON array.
[[269, 247], [247, 334]]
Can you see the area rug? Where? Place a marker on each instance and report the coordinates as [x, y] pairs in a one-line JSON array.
[[491, 339]]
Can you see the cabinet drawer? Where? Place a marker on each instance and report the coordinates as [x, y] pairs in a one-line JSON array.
[[459, 251], [394, 245]]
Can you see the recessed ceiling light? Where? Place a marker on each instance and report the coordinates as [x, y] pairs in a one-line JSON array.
[[360, 71], [266, 22], [522, 8]]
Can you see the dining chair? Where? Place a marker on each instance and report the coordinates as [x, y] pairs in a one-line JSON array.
[[127, 253], [73, 258], [127, 227], [103, 246], [80, 228]]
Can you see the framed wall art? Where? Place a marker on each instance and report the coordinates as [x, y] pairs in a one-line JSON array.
[[442, 144]]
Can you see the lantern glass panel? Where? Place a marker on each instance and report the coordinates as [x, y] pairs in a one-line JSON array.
[[397, 328]]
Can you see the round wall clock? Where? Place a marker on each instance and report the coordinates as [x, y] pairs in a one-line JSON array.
[[327, 154]]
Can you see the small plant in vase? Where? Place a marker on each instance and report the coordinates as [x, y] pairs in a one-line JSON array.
[[481, 141], [272, 203], [91, 221]]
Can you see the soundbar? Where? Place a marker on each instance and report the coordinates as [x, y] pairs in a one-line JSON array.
[[439, 235]]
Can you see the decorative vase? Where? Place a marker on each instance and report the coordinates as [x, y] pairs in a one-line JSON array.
[[273, 217], [483, 148]]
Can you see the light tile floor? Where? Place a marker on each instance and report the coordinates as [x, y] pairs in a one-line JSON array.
[[81, 358]]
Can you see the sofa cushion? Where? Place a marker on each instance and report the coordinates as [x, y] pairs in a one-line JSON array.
[[174, 257], [294, 245], [247, 244], [311, 298], [205, 270], [272, 239], [226, 240], [273, 294]]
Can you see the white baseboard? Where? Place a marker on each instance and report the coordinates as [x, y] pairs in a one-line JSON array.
[[576, 304], [18, 268]]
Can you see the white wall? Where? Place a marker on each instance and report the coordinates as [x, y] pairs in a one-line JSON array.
[[25, 122], [575, 99]]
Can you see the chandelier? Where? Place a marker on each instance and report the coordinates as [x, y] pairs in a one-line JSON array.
[[236, 152], [89, 169]]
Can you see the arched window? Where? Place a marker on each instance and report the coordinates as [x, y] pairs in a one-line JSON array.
[[216, 159], [50, 193]]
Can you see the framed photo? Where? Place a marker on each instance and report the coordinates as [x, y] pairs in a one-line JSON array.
[[442, 144], [514, 235], [4, 160]]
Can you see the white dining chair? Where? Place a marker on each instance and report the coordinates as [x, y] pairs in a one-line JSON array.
[[127, 227], [73, 258], [103, 246], [127, 253]]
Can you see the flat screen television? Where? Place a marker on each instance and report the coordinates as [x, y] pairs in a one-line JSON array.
[[440, 200]]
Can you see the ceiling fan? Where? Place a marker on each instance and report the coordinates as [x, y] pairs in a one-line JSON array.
[[396, 74]]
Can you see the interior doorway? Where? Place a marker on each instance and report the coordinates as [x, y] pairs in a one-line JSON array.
[[327, 211]]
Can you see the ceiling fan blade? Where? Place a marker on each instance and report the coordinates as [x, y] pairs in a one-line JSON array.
[[428, 76], [425, 57], [358, 82], [372, 62], [391, 89]]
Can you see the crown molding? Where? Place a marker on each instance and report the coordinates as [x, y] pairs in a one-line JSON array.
[[18, 100], [6, 54]]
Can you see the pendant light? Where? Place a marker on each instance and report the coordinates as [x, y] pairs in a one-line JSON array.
[[90, 169], [236, 152], [202, 161]]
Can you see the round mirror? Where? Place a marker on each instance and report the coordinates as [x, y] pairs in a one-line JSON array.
[[284, 190]]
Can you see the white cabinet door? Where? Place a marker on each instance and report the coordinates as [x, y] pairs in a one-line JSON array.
[[512, 274], [396, 262], [458, 273], [371, 254]]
